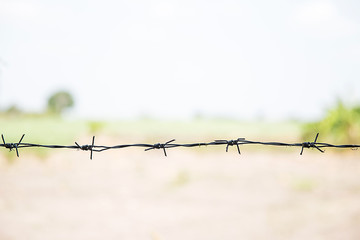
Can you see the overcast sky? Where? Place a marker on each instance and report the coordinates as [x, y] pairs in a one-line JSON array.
[[173, 59]]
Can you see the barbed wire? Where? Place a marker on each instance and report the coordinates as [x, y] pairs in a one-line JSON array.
[[170, 144]]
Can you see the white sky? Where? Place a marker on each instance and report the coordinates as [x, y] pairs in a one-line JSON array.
[[173, 59]]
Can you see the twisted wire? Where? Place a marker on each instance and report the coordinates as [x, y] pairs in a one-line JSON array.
[[170, 144]]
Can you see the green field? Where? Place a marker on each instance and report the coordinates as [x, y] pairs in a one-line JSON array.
[[57, 130], [53, 130]]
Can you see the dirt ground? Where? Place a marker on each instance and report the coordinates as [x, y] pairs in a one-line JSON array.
[[131, 194]]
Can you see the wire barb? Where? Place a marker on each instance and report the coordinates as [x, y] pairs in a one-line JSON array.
[[311, 145], [87, 147], [11, 146], [160, 145], [231, 143]]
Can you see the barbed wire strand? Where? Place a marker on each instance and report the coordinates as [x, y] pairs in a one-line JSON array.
[[170, 144]]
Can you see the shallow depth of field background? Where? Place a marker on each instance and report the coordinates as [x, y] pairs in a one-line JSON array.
[[196, 71]]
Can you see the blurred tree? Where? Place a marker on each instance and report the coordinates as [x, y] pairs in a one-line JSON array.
[[59, 102], [341, 124], [13, 111]]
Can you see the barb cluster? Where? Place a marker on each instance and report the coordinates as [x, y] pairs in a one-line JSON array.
[[170, 144]]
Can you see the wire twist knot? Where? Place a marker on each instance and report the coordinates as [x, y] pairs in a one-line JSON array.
[[87, 147], [160, 146], [310, 145], [231, 143], [11, 146]]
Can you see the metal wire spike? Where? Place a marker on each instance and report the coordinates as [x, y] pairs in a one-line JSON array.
[[310, 145], [87, 147], [160, 145], [2, 136], [92, 146], [16, 145], [230, 143], [10, 146]]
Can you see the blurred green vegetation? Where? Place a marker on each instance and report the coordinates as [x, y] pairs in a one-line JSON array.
[[96, 127], [203, 129], [38, 128], [59, 102], [53, 129], [50, 127], [341, 124], [303, 184]]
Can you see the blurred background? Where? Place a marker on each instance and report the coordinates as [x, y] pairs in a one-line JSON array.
[[150, 71]]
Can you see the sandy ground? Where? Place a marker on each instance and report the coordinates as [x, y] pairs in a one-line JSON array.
[[130, 194]]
